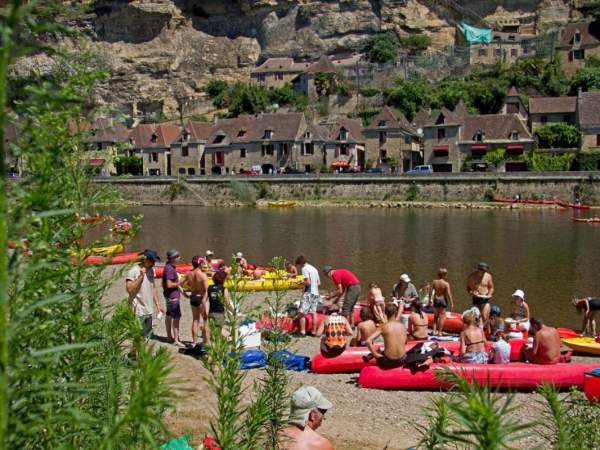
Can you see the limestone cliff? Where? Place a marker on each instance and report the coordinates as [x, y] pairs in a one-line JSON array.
[[163, 52]]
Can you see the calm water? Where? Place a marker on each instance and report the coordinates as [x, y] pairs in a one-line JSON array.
[[542, 252]]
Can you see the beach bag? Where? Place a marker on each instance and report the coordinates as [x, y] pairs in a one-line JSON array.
[[252, 359], [292, 361]]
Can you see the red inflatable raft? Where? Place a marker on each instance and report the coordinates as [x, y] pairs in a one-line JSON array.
[[351, 360], [521, 376], [572, 205], [119, 258], [184, 268]]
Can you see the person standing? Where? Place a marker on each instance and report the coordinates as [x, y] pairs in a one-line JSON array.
[[442, 298], [310, 298], [143, 295], [480, 285], [172, 293], [218, 298], [589, 306], [404, 293], [197, 281], [307, 410], [347, 287]]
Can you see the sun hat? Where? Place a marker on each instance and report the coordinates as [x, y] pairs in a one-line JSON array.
[[404, 277], [519, 293], [150, 254], [327, 269], [239, 255], [483, 266], [304, 400], [172, 253], [209, 253]]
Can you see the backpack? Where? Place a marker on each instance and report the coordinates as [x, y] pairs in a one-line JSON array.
[[335, 332]]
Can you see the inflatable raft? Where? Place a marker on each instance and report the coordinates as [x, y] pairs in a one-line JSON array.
[[518, 376], [351, 360], [590, 220], [281, 204], [119, 258], [578, 206], [583, 345], [107, 250]]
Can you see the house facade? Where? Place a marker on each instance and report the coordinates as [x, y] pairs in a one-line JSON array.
[[152, 143], [440, 139], [106, 141], [391, 136], [551, 110], [305, 82], [578, 41], [345, 144], [276, 72], [588, 119], [187, 151]]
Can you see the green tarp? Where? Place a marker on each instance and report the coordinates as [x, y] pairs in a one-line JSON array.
[[180, 443], [475, 35]]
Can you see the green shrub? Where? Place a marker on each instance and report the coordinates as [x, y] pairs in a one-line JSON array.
[[544, 162], [369, 91], [588, 160], [412, 192], [495, 157], [558, 135], [325, 84], [383, 47], [215, 87], [263, 190], [415, 42], [243, 191]]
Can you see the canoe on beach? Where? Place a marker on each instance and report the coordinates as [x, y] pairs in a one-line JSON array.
[[583, 345]]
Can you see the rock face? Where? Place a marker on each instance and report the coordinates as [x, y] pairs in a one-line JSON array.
[[163, 52]]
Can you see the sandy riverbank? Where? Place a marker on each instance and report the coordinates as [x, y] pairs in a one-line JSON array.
[[360, 419]]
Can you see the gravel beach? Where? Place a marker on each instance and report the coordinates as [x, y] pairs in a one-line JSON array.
[[360, 418]]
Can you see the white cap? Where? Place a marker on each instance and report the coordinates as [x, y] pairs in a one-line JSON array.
[[404, 277], [239, 255], [304, 400], [519, 293], [209, 253]]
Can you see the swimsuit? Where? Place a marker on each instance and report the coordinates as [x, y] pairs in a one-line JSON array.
[[480, 301], [440, 302], [594, 304], [390, 363], [195, 300]]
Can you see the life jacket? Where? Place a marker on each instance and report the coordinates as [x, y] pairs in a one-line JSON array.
[[335, 332]]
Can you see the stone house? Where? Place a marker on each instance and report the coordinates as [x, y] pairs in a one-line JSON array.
[[506, 47], [483, 133], [187, 151], [305, 82], [588, 119], [391, 136], [106, 141], [578, 41], [551, 110], [345, 144], [514, 105], [440, 139], [152, 142], [275, 72]]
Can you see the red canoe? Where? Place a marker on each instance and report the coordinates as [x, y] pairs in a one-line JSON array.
[[351, 360], [572, 205], [525, 201], [521, 376], [566, 333], [119, 258], [184, 268], [590, 220]]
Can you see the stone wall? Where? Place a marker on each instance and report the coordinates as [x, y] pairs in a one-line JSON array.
[[432, 188]]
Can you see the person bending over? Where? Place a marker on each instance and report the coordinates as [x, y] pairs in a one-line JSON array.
[[376, 302], [394, 340], [589, 306], [546, 344]]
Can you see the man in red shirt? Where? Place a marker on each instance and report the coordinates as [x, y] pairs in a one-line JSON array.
[[347, 287]]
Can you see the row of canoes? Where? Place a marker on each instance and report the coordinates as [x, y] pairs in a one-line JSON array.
[[560, 203]]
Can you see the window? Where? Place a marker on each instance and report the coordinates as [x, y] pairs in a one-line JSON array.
[[153, 157], [577, 37], [567, 118], [279, 76], [268, 134], [343, 134], [578, 54], [440, 120], [344, 149], [382, 137], [241, 133], [544, 119], [381, 123], [441, 133], [185, 151], [512, 108], [382, 154], [511, 37], [514, 135], [153, 138], [308, 149], [283, 148], [219, 138], [307, 135], [513, 52], [407, 139], [191, 171], [261, 77], [267, 149], [182, 170], [218, 158], [525, 49], [479, 136], [598, 140], [482, 52], [497, 52], [242, 152]]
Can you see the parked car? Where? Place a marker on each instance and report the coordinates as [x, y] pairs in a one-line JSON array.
[[421, 169], [291, 170], [375, 170]]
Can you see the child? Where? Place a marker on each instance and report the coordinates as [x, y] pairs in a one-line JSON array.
[[425, 297], [500, 353], [497, 322], [365, 328], [376, 302]]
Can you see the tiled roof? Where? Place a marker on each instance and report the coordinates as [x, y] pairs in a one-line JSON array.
[[450, 117], [589, 109], [496, 127], [353, 127], [589, 31], [547, 105], [165, 134], [199, 131], [393, 119], [421, 118], [277, 65], [322, 65], [512, 92], [113, 133]]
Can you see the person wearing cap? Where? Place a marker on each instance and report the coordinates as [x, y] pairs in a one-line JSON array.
[[480, 285], [404, 293], [519, 310], [142, 291], [172, 293], [209, 255], [197, 281], [307, 410], [241, 261], [347, 288]]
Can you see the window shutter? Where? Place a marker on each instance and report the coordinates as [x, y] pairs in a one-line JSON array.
[[337, 151]]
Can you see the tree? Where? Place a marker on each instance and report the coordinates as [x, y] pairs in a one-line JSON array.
[[383, 47], [214, 88], [586, 79], [415, 42], [409, 96], [324, 84], [247, 99], [558, 135]]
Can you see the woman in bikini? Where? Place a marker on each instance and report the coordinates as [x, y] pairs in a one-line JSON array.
[[472, 341], [589, 306], [417, 325], [376, 302], [442, 298]]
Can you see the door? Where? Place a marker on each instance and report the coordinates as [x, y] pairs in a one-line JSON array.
[[168, 164]]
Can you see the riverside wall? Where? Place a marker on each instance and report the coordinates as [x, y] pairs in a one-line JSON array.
[[358, 188]]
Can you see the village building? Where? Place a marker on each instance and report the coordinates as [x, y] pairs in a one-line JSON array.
[[345, 144], [107, 140], [514, 105], [152, 142], [578, 42], [187, 151], [274, 73], [588, 119], [440, 139], [391, 138], [551, 110], [305, 82]]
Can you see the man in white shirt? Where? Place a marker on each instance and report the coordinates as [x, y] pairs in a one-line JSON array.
[[310, 298], [143, 295]]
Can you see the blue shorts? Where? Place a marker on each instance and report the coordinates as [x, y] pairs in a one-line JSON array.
[[174, 309]]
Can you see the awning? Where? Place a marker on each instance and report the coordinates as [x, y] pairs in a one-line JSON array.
[[340, 164], [96, 162], [439, 148], [479, 147], [515, 147]]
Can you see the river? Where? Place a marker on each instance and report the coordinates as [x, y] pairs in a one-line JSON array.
[[541, 251]]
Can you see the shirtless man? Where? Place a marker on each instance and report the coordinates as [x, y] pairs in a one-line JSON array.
[[546, 344], [394, 340], [307, 410], [480, 285], [365, 328], [197, 281], [442, 298]]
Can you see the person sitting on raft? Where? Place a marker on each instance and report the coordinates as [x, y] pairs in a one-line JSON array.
[[546, 344], [404, 293], [425, 297], [472, 340], [365, 328], [496, 322], [291, 270], [394, 340], [376, 302], [500, 353], [442, 298], [589, 306], [519, 310], [334, 332], [417, 325]]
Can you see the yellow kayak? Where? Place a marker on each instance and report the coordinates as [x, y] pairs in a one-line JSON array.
[[107, 250], [282, 203], [265, 284], [583, 345]]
